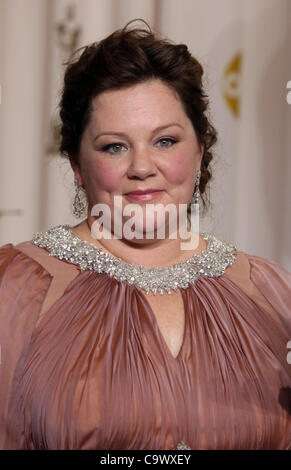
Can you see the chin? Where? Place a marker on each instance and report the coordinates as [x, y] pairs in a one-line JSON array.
[[156, 232]]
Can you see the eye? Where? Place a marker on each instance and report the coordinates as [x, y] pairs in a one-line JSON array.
[[167, 142], [113, 148]]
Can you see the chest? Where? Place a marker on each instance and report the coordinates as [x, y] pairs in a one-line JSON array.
[[101, 378], [169, 313]]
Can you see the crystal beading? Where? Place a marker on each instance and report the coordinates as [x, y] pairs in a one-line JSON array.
[[212, 262], [182, 445]]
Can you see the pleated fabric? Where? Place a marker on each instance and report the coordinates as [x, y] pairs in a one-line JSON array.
[[96, 373]]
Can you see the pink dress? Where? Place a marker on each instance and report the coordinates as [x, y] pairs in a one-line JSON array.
[[96, 372]]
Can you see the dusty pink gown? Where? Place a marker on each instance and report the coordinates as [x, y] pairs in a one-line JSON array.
[[96, 372]]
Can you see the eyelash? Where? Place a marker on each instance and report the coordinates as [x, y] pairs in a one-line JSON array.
[[107, 147]]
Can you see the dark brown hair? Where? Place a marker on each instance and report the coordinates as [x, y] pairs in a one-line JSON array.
[[128, 57]]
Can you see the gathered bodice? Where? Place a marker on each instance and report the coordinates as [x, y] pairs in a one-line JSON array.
[[95, 371]]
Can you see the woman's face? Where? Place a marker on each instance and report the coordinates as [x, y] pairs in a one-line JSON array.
[[138, 138]]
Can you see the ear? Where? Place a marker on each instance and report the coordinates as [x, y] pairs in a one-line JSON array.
[[77, 172]]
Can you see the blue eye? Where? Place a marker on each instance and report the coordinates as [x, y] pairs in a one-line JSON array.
[[169, 142], [117, 145]]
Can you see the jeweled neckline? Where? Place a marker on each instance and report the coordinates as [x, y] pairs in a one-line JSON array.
[[211, 262]]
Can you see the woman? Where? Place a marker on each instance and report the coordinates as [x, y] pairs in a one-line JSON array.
[[100, 354]]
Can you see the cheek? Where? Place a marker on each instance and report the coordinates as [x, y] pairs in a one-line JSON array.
[[181, 169], [104, 175]]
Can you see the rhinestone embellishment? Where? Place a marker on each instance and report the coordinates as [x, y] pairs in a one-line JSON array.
[[182, 445], [212, 262]]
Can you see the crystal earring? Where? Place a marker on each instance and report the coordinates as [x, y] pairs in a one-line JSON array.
[[196, 194], [193, 209], [80, 203]]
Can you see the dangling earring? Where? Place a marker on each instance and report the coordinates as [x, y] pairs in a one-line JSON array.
[[80, 203], [193, 215], [196, 194]]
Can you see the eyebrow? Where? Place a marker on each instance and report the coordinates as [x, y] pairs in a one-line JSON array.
[[123, 134]]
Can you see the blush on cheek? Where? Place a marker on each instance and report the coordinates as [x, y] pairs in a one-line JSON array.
[[106, 177], [181, 170]]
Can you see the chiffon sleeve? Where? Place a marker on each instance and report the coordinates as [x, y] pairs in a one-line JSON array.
[[23, 287], [274, 283]]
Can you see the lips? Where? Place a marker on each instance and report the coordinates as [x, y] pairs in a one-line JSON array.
[[144, 191], [144, 195]]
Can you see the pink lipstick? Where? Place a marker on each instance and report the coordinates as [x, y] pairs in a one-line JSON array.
[[144, 195]]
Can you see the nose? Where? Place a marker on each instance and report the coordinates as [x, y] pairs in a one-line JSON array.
[[141, 164]]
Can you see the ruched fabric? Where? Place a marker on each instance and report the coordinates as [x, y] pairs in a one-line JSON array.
[[85, 366]]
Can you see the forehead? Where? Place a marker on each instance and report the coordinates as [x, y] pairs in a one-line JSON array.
[[149, 99]]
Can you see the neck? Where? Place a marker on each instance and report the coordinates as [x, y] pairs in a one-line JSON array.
[[163, 253]]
